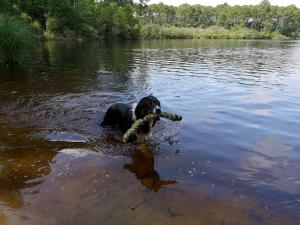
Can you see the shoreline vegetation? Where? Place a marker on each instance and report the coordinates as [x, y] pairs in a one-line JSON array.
[[22, 22], [154, 31]]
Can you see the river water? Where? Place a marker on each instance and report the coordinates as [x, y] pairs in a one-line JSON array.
[[233, 159]]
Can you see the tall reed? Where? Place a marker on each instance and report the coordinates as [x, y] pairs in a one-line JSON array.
[[15, 37]]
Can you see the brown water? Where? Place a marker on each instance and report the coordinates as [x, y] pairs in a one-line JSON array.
[[234, 159]]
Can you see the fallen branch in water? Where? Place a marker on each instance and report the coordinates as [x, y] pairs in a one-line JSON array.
[[131, 133]]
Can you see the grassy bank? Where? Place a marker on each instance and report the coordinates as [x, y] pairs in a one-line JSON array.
[[154, 31]]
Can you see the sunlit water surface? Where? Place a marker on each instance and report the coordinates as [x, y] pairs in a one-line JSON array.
[[234, 159]]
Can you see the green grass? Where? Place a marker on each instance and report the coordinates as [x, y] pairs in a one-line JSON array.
[[154, 31], [15, 37]]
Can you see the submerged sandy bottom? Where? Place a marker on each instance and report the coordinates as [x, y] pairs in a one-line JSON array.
[[85, 187]]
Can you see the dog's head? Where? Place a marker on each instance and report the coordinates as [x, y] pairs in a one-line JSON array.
[[147, 105]]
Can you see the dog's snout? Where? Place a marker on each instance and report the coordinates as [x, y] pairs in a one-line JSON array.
[[158, 110]]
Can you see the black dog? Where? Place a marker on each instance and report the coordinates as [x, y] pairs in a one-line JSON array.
[[123, 116]]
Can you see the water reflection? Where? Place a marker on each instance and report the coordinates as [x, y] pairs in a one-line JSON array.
[[239, 140], [142, 166]]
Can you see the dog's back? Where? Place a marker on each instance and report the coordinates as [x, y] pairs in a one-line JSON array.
[[118, 115]]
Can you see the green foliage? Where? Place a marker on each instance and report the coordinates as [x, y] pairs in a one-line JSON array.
[[125, 25], [25, 17], [278, 36], [260, 19], [63, 18], [15, 37], [48, 35], [117, 21], [154, 31], [6, 7], [36, 26], [35, 9], [54, 25], [91, 19], [128, 19]]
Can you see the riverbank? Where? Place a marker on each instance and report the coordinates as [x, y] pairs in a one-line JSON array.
[[63, 20], [154, 31]]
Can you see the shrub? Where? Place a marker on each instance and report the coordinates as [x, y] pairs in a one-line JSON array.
[[87, 31], [154, 31], [49, 36], [278, 36], [25, 17], [15, 37], [53, 25], [36, 26]]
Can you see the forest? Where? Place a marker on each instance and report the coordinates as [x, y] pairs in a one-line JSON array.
[[262, 21], [22, 21], [55, 19]]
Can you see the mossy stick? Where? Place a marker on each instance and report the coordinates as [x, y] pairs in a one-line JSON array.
[[171, 116], [131, 133]]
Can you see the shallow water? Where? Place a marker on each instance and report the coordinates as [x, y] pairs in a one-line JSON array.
[[234, 159]]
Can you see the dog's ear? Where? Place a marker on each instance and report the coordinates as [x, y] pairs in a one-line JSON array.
[[154, 99], [158, 102], [139, 112]]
